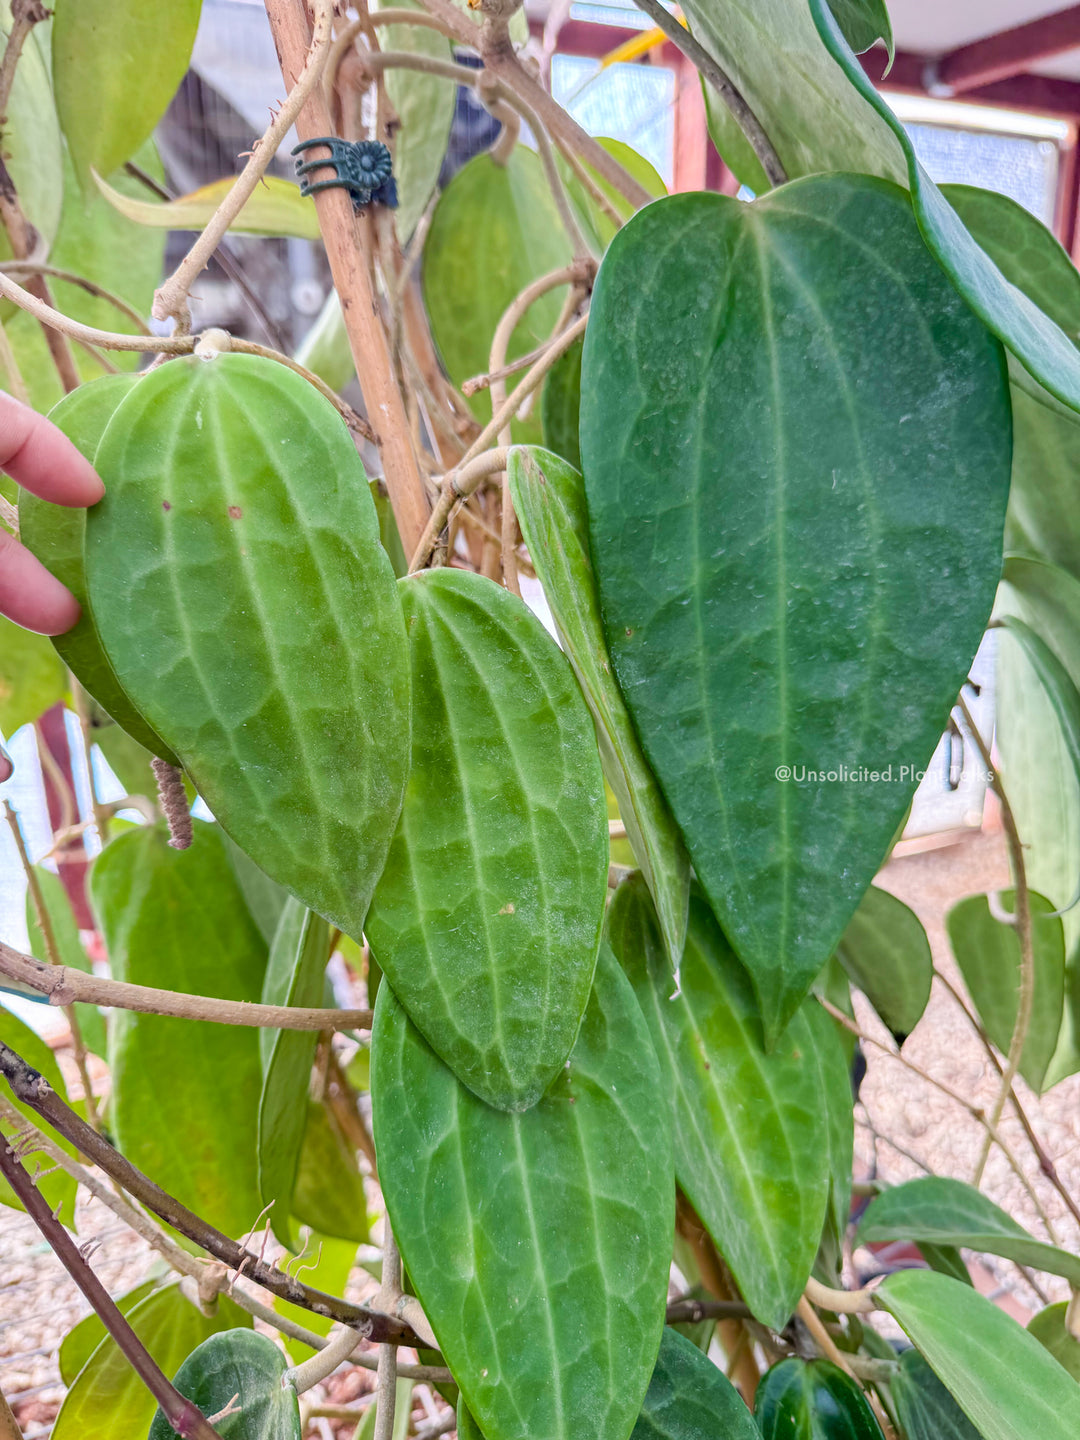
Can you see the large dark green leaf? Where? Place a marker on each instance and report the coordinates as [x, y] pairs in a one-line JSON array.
[[116, 65], [242, 595], [796, 519], [690, 1399], [539, 1243], [812, 1400], [1051, 1330], [942, 1211], [65, 933], [424, 105], [55, 534], [185, 1097], [295, 975], [1041, 347], [1000, 1376], [752, 1133], [924, 1407], [494, 231], [58, 1188], [549, 498], [107, 1399], [887, 955], [487, 917], [242, 1371], [988, 953]]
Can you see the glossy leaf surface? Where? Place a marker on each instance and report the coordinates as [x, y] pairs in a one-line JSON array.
[[65, 933], [943, 1211], [295, 975], [494, 231], [246, 1369], [1050, 1329], [107, 1399], [424, 105], [58, 1188], [885, 952], [751, 1133], [116, 66], [988, 953], [239, 586], [549, 498], [999, 1375], [775, 560], [275, 208], [690, 1399], [924, 1407], [812, 1400], [183, 1091], [487, 917], [539, 1243]]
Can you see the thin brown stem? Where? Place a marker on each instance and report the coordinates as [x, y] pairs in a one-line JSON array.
[[34, 267], [457, 485], [25, 14]]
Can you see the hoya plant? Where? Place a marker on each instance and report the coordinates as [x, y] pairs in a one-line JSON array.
[[516, 966]]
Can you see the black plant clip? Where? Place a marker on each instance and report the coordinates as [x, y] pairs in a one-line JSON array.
[[363, 167]]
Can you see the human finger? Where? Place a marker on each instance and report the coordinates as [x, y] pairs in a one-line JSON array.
[[42, 459], [29, 595]]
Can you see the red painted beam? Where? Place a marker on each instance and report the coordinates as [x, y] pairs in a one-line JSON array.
[[1010, 52]]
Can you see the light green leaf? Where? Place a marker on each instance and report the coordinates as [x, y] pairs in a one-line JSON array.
[[1043, 349], [266, 899], [1050, 1329], [424, 105], [796, 540], [494, 231], [33, 150], [752, 1133], [325, 349], [107, 1399], [942, 1211], [885, 952], [276, 207], [549, 1304], [560, 402], [83, 1339], [295, 975], [242, 595], [999, 1375], [812, 1400], [924, 1407], [988, 953], [55, 534], [243, 1369], [329, 1191], [65, 932], [185, 1094], [598, 226], [116, 66], [467, 1427], [32, 677], [58, 1188], [690, 1399], [128, 760], [487, 918], [549, 498]]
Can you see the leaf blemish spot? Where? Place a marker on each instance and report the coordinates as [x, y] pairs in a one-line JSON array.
[[165, 505], [235, 512], [507, 910]]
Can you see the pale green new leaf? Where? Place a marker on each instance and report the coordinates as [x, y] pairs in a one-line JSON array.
[[65, 932], [116, 66], [424, 105], [597, 226], [487, 917], [796, 522], [924, 1407], [752, 1132], [325, 348], [58, 1188], [1051, 1330], [549, 498], [32, 676], [275, 207], [690, 1399], [885, 952], [942, 1211], [999, 1375], [988, 953], [107, 1399], [295, 975], [539, 1243], [184, 1093], [241, 592], [241, 1370]]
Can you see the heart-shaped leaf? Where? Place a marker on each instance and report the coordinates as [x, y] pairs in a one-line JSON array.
[[942, 1211], [689, 1398], [924, 1407], [1000, 1376], [237, 1375], [245, 601], [539, 1243], [885, 952], [988, 953], [796, 521], [549, 498], [487, 917], [295, 975], [813, 1400], [183, 1091], [753, 1135]]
